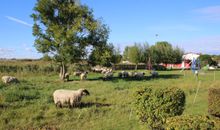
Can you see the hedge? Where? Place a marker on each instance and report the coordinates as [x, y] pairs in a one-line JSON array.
[[153, 106], [214, 102], [190, 123]]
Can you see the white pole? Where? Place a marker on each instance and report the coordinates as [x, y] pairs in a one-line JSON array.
[[197, 92], [214, 75]]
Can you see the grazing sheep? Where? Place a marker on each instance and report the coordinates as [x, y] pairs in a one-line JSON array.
[[77, 73], [154, 74], [139, 75], [120, 74], [123, 74], [83, 76], [131, 74], [66, 76], [9, 79], [70, 97], [108, 75]]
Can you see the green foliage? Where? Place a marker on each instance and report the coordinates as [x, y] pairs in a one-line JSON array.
[[163, 52], [104, 55], [64, 28], [134, 54], [46, 57], [189, 123], [153, 106], [206, 60], [214, 101]]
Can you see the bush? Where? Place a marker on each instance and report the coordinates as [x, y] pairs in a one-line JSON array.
[[153, 106], [214, 101], [189, 123]]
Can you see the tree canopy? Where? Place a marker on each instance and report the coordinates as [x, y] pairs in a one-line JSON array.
[[64, 28], [105, 55], [163, 52]]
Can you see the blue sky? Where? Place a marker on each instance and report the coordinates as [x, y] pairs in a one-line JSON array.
[[191, 25]]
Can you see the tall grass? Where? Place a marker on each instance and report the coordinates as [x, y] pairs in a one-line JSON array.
[[28, 67]]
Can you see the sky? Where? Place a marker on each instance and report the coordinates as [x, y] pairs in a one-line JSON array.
[[193, 25]]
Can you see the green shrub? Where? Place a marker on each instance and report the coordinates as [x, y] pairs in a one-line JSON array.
[[214, 101], [153, 106], [189, 123]]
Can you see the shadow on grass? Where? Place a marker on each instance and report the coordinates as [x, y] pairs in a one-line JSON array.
[[91, 104], [145, 78], [86, 105]]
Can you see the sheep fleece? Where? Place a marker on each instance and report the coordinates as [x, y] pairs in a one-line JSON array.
[[67, 96]]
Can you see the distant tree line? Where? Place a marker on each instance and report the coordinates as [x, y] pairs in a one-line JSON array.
[[107, 54], [161, 52]]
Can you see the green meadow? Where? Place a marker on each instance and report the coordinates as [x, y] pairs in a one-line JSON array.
[[29, 104]]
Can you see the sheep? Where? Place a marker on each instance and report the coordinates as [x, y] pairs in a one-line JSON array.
[[66, 76], [123, 74], [108, 75], [9, 79], [131, 74], [70, 97], [77, 73], [139, 75], [83, 75], [154, 74]]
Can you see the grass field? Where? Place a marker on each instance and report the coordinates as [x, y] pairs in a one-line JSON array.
[[29, 105]]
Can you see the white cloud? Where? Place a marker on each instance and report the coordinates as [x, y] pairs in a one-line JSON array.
[[210, 13], [18, 21]]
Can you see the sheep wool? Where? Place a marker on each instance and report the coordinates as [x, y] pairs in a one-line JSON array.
[[9, 79], [70, 97], [83, 76]]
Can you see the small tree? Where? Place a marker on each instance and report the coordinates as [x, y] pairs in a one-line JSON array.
[[102, 55], [134, 55], [64, 28]]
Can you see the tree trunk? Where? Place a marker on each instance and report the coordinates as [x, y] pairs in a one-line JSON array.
[[62, 71]]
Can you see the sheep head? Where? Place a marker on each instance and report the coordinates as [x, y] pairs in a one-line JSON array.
[[84, 92]]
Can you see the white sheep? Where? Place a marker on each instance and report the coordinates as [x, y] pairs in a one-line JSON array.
[[66, 76], [131, 74], [77, 73], [108, 75], [9, 79], [83, 75], [70, 97], [139, 75]]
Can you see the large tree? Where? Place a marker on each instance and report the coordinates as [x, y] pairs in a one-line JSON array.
[[64, 28], [163, 52]]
